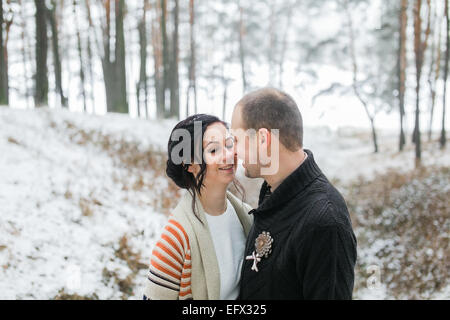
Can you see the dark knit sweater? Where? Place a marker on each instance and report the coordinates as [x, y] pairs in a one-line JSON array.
[[314, 247]]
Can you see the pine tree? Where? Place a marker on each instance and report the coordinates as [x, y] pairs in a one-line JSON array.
[[402, 68], [443, 138], [4, 89], [142, 85], [419, 51], [51, 16], [41, 76], [174, 77], [80, 57], [113, 63]]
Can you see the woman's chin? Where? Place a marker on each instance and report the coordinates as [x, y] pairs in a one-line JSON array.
[[228, 178]]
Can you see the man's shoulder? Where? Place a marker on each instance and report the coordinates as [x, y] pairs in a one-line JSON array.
[[321, 187], [327, 206]]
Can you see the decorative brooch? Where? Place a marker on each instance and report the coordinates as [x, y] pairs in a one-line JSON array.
[[263, 247]]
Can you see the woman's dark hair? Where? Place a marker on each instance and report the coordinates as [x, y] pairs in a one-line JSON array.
[[178, 172]]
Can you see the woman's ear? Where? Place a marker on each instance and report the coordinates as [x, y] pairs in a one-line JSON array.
[[193, 168]]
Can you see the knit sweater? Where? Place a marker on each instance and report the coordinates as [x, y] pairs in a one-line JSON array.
[[183, 264], [314, 248]]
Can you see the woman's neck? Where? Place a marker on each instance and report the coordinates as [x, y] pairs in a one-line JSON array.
[[214, 199]]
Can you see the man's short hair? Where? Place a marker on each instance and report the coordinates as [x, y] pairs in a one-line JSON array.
[[273, 109]]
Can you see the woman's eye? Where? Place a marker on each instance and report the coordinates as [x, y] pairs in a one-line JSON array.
[[230, 143], [212, 151]]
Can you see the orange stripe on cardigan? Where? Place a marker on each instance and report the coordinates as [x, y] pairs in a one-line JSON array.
[[176, 235], [180, 227], [164, 270], [182, 294], [185, 284], [172, 243], [169, 252], [167, 261]]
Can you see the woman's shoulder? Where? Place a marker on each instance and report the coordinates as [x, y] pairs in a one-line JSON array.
[[236, 202], [179, 215]]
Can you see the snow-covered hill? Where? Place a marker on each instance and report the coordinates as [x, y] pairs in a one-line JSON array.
[[83, 198], [67, 200]]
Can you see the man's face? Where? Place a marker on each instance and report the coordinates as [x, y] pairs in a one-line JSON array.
[[246, 145]]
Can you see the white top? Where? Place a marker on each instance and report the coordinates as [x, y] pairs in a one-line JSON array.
[[229, 243]]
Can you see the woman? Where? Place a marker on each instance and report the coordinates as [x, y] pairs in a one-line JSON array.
[[200, 252]]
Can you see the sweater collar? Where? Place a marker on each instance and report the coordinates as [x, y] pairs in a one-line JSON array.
[[291, 186]]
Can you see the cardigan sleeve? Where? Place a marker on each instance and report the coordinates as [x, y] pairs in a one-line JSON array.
[[326, 265], [169, 275]]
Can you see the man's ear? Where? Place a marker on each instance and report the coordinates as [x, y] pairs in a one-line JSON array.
[[264, 136]]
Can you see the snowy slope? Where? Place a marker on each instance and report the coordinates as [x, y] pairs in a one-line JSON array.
[[47, 241]]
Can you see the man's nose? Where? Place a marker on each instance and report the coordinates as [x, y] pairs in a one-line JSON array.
[[239, 152], [229, 155]]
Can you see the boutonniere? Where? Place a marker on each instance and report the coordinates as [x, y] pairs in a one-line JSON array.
[[263, 247]]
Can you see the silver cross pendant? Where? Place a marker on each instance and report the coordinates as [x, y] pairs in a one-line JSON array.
[[255, 257]]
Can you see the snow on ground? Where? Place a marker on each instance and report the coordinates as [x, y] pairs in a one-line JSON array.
[[44, 178], [347, 153], [63, 208]]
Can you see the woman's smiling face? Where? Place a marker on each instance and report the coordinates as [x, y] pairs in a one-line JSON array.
[[219, 155]]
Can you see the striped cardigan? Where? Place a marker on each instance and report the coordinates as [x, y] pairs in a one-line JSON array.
[[183, 263]]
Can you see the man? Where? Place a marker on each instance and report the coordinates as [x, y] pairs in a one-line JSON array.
[[301, 245]]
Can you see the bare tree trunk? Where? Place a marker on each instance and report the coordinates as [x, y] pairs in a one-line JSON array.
[[418, 58], [192, 65], [165, 58], [51, 16], [195, 99], [120, 58], [374, 134], [41, 76], [272, 45], [241, 32], [158, 61], [25, 57], [114, 72], [142, 83], [435, 68], [284, 46], [355, 86], [443, 138], [225, 82], [80, 56], [4, 94], [224, 104], [402, 69], [174, 81], [89, 51], [91, 73], [419, 50]]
